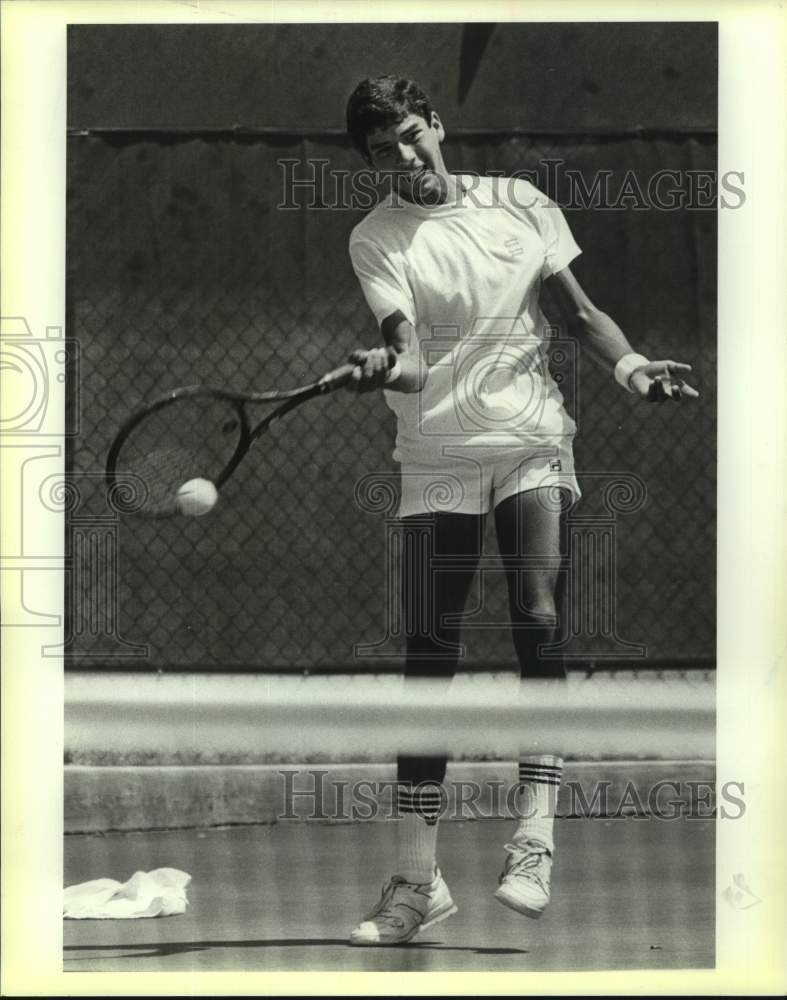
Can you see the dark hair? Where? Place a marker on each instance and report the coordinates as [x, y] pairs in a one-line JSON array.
[[380, 102]]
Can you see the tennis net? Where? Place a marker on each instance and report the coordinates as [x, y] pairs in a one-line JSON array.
[[270, 717]]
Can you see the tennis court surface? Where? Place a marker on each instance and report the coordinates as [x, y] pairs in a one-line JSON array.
[[627, 894]]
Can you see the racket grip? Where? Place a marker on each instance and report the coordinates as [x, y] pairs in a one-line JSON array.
[[341, 376], [336, 378]]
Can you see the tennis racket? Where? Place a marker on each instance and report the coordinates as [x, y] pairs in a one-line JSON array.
[[194, 433]]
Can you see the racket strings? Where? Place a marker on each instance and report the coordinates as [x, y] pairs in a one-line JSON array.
[[194, 438], [157, 477]]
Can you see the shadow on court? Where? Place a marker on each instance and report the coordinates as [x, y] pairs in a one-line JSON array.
[[626, 894], [178, 948]]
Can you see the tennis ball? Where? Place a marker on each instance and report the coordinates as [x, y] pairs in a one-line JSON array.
[[197, 497]]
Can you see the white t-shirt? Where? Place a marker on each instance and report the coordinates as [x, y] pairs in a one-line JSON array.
[[467, 275]]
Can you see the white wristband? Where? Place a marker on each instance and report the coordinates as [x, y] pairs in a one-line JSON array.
[[626, 367], [393, 373]]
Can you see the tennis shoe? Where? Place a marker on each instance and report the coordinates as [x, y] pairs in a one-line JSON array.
[[525, 882], [404, 910]]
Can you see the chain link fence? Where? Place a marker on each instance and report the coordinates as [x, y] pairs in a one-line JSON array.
[[183, 268]]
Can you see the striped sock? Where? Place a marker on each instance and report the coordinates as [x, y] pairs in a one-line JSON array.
[[539, 783], [420, 807]]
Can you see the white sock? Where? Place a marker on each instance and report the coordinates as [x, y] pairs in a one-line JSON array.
[[539, 783], [416, 831]]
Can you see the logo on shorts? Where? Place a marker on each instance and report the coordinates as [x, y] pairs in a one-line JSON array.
[[555, 465]]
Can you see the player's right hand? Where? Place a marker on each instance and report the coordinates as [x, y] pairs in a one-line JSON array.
[[371, 369]]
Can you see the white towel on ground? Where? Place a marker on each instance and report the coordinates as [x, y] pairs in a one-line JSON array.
[[160, 893]]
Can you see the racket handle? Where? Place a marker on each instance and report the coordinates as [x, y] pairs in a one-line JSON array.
[[337, 378], [341, 376]]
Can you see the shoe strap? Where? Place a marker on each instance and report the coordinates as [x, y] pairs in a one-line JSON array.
[[384, 912]]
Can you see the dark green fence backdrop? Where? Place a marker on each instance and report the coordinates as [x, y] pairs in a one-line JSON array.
[[183, 267]]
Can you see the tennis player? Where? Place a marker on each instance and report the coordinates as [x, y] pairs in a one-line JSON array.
[[453, 268]]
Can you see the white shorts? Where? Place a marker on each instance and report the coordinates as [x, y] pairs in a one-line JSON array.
[[477, 484]]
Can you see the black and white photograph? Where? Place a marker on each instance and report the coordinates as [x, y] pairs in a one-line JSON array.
[[381, 431]]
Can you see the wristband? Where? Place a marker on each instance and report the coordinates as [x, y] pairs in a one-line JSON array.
[[393, 373], [626, 367]]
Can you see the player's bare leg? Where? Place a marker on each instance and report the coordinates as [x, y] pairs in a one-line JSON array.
[[530, 531], [438, 566]]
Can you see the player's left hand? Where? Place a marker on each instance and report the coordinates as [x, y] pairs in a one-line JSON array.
[[662, 380]]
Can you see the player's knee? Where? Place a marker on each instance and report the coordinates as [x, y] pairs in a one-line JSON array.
[[539, 608]]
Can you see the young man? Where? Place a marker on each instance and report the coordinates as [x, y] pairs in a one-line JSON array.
[[453, 268]]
